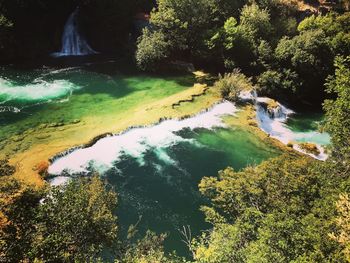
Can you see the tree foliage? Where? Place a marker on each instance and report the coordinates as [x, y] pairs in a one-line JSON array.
[[343, 223], [149, 249], [278, 211], [262, 39], [152, 48], [18, 203], [338, 110], [75, 223], [70, 224]]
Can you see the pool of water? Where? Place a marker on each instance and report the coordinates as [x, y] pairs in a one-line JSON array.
[[308, 127], [166, 193], [91, 93], [156, 170]]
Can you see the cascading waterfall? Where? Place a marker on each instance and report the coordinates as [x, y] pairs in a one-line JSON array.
[[73, 43], [272, 118]]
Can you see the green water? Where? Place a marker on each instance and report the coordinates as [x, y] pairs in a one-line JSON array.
[[168, 198], [306, 121], [308, 126], [164, 193], [31, 98]]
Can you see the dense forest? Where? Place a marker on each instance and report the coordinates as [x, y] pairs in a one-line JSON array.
[[287, 209], [288, 52]]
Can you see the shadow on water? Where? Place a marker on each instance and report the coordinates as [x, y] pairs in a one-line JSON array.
[[93, 84], [306, 121], [104, 68]]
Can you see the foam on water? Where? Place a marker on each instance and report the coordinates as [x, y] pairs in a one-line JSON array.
[[277, 128], [136, 142], [37, 91], [59, 180]]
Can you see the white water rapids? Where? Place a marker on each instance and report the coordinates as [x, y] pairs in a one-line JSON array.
[[274, 124], [135, 142]]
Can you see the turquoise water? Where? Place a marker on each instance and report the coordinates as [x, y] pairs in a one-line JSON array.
[[163, 187], [309, 125], [49, 95], [166, 194]]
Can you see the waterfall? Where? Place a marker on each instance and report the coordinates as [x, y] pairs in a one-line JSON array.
[[73, 43], [273, 121], [272, 118]]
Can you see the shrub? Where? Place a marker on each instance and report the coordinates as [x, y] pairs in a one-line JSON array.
[[231, 84]]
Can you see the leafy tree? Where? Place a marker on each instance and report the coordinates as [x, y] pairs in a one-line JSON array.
[[238, 44], [279, 211], [336, 29], [310, 56], [343, 222], [265, 54], [338, 111], [255, 22], [150, 249], [17, 212], [76, 222], [305, 52], [183, 22], [278, 83], [151, 49], [5, 168]]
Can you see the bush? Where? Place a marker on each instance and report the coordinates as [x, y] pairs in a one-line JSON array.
[[279, 211], [75, 222], [231, 84]]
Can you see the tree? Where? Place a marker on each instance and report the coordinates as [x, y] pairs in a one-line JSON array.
[[6, 169], [255, 22], [309, 55], [182, 22], [18, 203], [151, 49], [343, 222], [279, 83], [279, 211], [336, 28], [76, 222], [149, 249], [338, 111]]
